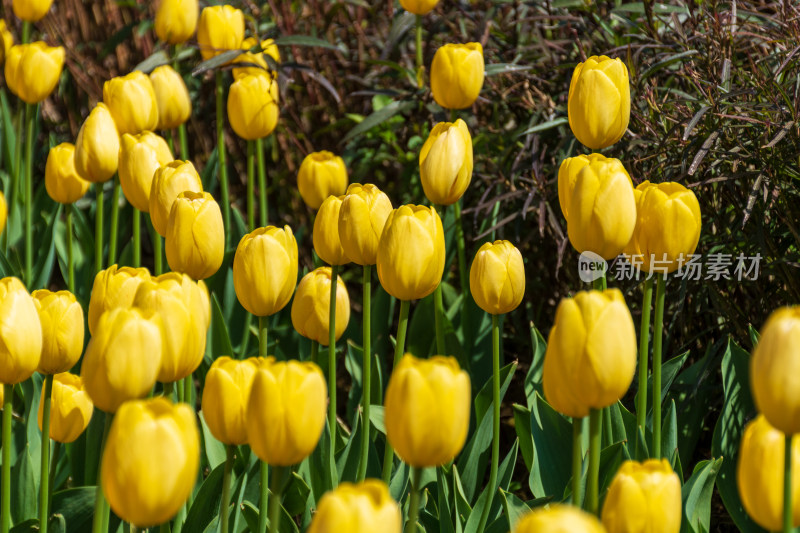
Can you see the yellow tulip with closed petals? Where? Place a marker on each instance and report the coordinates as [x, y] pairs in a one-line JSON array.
[[168, 182], [31, 10], [411, 252], [268, 47], [225, 395], [286, 411], [139, 158], [457, 75], [176, 20], [221, 28], [70, 408], [568, 174], [150, 461], [364, 507], [265, 270], [643, 498], [591, 353], [20, 333], [558, 518], [326, 232], [62, 182], [32, 70], [195, 239], [123, 357], [6, 40], [445, 162], [131, 99], [427, 410], [497, 277], [362, 217], [760, 471], [3, 212], [172, 97], [61, 317], [599, 101], [97, 147], [321, 174], [253, 106], [311, 306], [114, 287], [419, 7]]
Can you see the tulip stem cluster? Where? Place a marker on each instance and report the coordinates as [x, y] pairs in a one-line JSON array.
[[226, 489], [112, 237], [577, 460], [5, 508], [595, 434], [413, 500], [399, 349], [221, 157], [366, 378], [44, 485], [30, 120], [657, 338], [644, 345], [495, 420], [332, 356], [787, 485]]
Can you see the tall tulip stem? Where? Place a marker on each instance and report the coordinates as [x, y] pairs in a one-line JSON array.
[[184, 142], [657, 338], [70, 252], [226, 490], [98, 229], [787, 485], [44, 484], [332, 356], [463, 275], [577, 460], [496, 420], [112, 237], [420, 68], [644, 345], [438, 312], [413, 500], [399, 348], [221, 157], [262, 511], [30, 122], [595, 434], [366, 374], [251, 177], [276, 484], [5, 508], [101, 509], [263, 336], [262, 183], [137, 238]]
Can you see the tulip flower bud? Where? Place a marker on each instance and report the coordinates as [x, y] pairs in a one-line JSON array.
[[3, 212], [427, 410], [775, 362], [33, 70], [268, 47], [760, 471], [195, 240], [172, 97], [265, 250], [21, 334], [61, 317], [602, 208], [362, 217], [168, 182], [131, 100], [150, 461], [357, 508], [457, 75], [321, 175], [667, 226], [411, 252], [558, 518], [176, 20], [591, 353], [599, 102], [568, 174], [31, 10], [326, 232], [497, 277], [63, 183], [6, 40], [253, 106], [643, 498], [97, 147], [311, 306], [221, 28], [139, 158], [225, 395], [419, 7], [70, 408], [445, 162], [291, 396], [123, 357], [114, 287]]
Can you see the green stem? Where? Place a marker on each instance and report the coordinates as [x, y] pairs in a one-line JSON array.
[[657, 338], [262, 511], [170, 141], [5, 508], [463, 274], [787, 485], [644, 341], [251, 176], [262, 183], [263, 335], [188, 394], [366, 374], [399, 349], [248, 321], [70, 253], [53, 465], [420, 68], [112, 237], [595, 434], [98, 229], [222, 159], [314, 352], [413, 500], [30, 122], [332, 356], [44, 483], [226, 490], [577, 460], [169, 389], [496, 420], [158, 246], [439, 319], [26, 32], [164, 528], [101, 509], [184, 142], [275, 502], [180, 388], [137, 238], [600, 283]]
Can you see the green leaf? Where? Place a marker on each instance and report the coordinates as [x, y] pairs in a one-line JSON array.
[[378, 117], [472, 460], [552, 439], [155, 60], [669, 371], [220, 339], [76, 506], [295, 499], [205, 507], [696, 495], [322, 466], [550, 124], [307, 40], [483, 401], [514, 508], [25, 488], [522, 424], [215, 450], [493, 69], [443, 502], [217, 61], [376, 417], [533, 380]]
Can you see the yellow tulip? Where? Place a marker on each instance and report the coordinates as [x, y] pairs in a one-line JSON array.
[[139, 158], [172, 97], [568, 174], [33, 70], [667, 226], [321, 174], [70, 408], [114, 287], [591, 353], [497, 277], [265, 270], [195, 240], [131, 100], [123, 357], [559, 518], [599, 102], [221, 28], [365, 507], [3, 212], [773, 367], [602, 208], [362, 217], [427, 410], [176, 20], [286, 411], [311, 306], [411, 252], [326, 232], [31, 10], [225, 395], [97, 147], [61, 317], [253, 106], [6, 40], [63, 183], [643, 498], [168, 182], [268, 47], [20, 333], [445, 162], [419, 7], [457, 75], [759, 474], [150, 461]]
